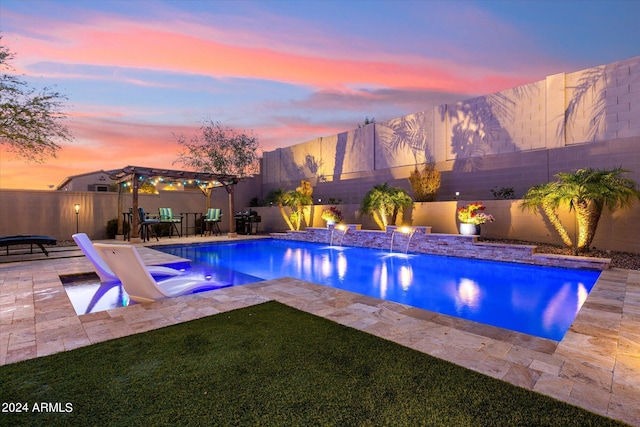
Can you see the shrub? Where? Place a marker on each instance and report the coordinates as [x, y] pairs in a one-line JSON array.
[[112, 228], [425, 183], [503, 193]]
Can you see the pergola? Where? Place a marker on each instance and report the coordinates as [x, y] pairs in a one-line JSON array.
[[204, 180]]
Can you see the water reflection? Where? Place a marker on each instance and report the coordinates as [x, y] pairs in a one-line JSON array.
[[468, 294], [559, 308], [381, 277], [342, 266], [324, 264], [405, 275], [519, 297]]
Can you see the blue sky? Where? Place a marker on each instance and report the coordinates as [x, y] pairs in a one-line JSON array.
[[138, 71]]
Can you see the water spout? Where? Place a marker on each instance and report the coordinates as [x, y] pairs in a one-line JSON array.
[[406, 231], [406, 248], [338, 227]]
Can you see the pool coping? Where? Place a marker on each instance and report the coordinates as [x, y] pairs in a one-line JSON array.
[[596, 365]]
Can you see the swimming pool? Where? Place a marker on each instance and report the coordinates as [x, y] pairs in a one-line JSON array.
[[540, 301]]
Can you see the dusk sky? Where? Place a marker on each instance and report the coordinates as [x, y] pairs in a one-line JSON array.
[[135, 72]]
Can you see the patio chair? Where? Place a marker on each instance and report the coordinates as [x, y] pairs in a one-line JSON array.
[[167, 216], [28, 239], [146, 226], [125, 261], [102, 269], [211, 221]]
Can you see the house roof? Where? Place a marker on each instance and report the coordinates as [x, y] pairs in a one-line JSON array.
[[68, 179]]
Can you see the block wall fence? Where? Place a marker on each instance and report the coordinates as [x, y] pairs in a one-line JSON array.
[[52, 213], [516, 138]]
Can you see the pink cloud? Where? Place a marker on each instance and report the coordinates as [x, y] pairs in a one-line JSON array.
[[321, 62], [113, 41], [100, 144]]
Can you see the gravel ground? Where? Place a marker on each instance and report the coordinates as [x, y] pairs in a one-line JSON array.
[[618, 259]]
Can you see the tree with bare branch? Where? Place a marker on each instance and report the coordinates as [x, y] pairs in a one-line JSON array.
[[219, 149], [31, 120]]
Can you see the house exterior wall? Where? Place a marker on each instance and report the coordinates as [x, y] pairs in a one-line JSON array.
[[84, 182]]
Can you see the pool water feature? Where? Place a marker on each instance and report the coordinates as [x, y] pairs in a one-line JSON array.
[[406, 231], [342, 229], [540, 301]]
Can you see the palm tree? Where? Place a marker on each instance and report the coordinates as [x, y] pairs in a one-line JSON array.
[[383, 203], [547, 196], [296, 200], [399, 200], [278, 197], [587, 192]]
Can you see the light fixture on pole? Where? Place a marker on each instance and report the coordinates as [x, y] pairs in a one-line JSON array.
[[77, 208], [457, 195]]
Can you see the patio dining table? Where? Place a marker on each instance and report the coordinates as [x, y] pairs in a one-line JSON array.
[[185, 225]]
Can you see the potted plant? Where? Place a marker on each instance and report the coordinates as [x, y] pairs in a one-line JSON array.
[[332, 215], [471, 217]]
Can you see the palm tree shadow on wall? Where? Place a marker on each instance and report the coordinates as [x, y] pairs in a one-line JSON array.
[[478, 127], [587, 84], [314, 165], [591, 86], [480, 124], [410, 134], [294, 171], [341, 151]]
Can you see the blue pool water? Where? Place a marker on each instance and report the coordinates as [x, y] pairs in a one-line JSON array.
[[539, 301]]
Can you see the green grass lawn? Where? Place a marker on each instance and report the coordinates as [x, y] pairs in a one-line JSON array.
[[267, 365]]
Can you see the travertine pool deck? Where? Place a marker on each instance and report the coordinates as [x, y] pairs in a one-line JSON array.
[[596, 366]]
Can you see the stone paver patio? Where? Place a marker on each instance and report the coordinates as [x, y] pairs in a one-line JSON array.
[[596, 366]]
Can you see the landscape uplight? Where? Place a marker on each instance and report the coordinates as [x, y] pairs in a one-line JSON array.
[[77, 208]]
